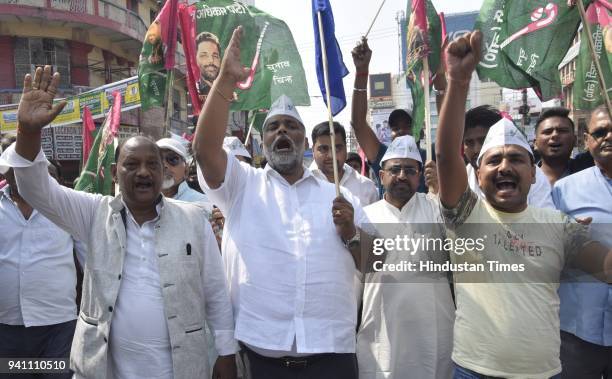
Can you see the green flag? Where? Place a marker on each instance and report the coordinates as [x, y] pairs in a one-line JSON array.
[[157, 56], [267, 48], [258, 119], [423, 37], [587, 90], [96, 176], [524, 43]]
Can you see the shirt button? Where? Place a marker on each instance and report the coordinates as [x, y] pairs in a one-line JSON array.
[[110, 308], [119, 277], [105, 340]]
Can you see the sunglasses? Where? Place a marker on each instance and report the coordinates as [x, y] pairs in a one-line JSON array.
[[172, 159], [600, 133], [397, 170]]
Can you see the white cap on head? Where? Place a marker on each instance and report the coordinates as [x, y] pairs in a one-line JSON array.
[[502, 133], [283, 106], [233, 145], [174, 145], [403, 147]]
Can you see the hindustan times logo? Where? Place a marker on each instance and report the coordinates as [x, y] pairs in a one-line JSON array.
[[413, 245]]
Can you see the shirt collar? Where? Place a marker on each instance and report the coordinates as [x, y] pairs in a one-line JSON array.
[[307, 175], [182, 188], [118, 205], [5, 193], [348, 171], [405, 209]]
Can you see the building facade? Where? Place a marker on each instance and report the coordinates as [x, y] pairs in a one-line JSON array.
[[90, 43]]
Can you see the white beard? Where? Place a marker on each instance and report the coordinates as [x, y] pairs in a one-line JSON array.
[[167, 183], [284, 162]]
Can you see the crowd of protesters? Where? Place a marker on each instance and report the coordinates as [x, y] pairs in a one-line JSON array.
[[269, 273]]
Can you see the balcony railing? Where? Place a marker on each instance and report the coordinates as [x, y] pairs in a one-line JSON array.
[[121, 15], [106, 8]]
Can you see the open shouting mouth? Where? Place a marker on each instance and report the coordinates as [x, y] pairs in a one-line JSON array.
[[282, 145], [506, 185]]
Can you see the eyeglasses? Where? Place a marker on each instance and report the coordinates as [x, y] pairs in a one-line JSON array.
[[173, 159], [397, 170], [600, 133]]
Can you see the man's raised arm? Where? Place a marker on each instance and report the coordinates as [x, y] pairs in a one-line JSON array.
[[69, 209], [36, 110], [210, 131], [365, 135], [462, 56]]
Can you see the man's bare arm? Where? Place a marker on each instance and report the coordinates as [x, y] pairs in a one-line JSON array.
[[462, 57], [365, 135], [210, 131], [595, 259]]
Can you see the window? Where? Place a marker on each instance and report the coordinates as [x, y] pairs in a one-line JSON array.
[[33, 52]]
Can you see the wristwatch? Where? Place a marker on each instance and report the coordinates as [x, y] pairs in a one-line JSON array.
[[354, 241]]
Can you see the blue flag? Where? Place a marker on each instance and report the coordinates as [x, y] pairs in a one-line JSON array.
[[335, 64]]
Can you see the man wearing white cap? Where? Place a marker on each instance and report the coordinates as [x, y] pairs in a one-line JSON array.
[[38, 308], [176, 170], [290, 245], [507, 322], [322, 166], [478, 121], [407, 321]]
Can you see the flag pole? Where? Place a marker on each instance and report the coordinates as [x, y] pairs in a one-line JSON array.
[[602, 82], [375, 17], [427, 107], [247, 140], [169, 96], [332, 132]]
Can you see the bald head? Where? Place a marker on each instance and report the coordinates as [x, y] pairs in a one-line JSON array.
[[136, 141]]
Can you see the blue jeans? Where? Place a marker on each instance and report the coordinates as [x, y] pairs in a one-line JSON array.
[[464, 373]]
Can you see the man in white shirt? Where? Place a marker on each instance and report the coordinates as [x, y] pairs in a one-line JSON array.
[[285, 243], [37, 280], [507, 317], [153, 272], [322, 166], [407, 324]]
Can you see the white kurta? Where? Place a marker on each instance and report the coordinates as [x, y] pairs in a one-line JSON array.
[[358, 185], [407, 326]]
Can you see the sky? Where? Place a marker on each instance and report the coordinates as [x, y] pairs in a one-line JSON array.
[[352, 18]]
